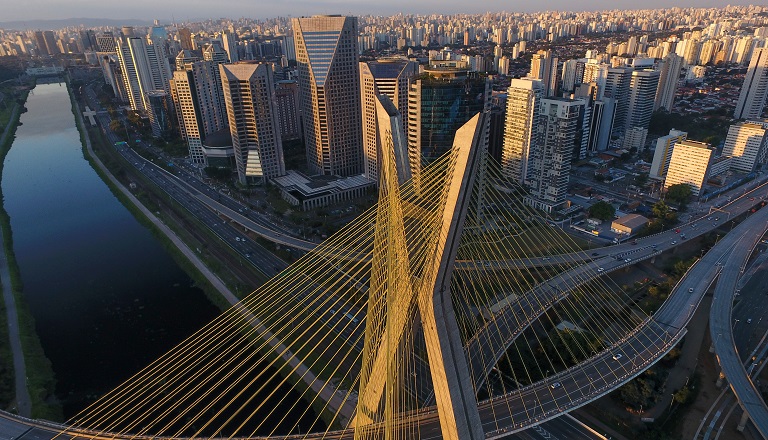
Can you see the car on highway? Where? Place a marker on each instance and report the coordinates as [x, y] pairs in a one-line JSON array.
[[617, 356], [627, 260], [600, 269], [555, 385], [690, 290], [674, 242], [749, 321]]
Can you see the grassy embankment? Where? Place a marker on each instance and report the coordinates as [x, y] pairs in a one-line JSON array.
[[40, 378]]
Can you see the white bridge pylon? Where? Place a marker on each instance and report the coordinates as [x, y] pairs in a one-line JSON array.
[[410, 285]]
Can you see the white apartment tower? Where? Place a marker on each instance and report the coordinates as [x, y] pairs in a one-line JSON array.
[[689, 164], [746, 144], [520, 127], [755, 89], [663, 153], [329, 86], [391, 77], [248, 92]]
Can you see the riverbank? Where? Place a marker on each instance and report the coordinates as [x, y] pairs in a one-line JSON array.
[[33, 377]]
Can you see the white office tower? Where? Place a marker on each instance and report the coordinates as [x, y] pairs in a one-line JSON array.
[[550, 161], [642, 92], [248, 92], [669, 74], [199, 105], [391, 77], [544, 67], [746, 144], [520, 127], [329, 84], [229, 41], [755, 89], [143, 70], [689, 164], [663, 153]]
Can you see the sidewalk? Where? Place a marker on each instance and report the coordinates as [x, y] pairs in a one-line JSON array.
[[23, 400]]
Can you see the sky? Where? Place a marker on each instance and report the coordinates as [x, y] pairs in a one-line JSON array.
[[182, 10]]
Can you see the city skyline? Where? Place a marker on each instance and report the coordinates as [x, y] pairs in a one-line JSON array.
[[193, 11]]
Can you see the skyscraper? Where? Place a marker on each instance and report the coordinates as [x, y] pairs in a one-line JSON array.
[[550, 160], [393, 78], [617, 86], [669, 70], [50, 43], [42, 49], [329, 89], [229, 41], [144, 69], [642, 92], [287, 105], [755, 89], [248, 91], [439, 104], [544, 67], [199, 105], [185, 38], [520, 127]]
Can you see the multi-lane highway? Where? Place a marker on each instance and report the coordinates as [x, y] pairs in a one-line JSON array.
[[721, 329]]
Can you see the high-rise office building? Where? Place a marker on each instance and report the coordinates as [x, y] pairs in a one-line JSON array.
[[663, 153], [391, 77], [287, 106], [746, 143], [329, 89], [159, 111], [439, 104], [229, 41], [185, 38], [106, 42], [617, 86], [520, 127], [199, 105], [248, 91], [669, 74], [755, 89], [50, 43], [42, 49], [689, 164], [144, 69], [550, 161]]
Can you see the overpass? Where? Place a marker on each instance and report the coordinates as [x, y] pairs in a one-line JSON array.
[[721, 330]]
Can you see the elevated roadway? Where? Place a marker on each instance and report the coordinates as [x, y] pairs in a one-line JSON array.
[[721, 329]]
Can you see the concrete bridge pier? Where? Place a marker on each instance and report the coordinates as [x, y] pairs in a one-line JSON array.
[[742, 422], [721, 380]]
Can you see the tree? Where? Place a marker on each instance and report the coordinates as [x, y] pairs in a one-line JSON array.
[[680, 193], [602, 210]]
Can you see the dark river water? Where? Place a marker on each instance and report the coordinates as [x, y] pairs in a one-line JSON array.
[[106, 296]]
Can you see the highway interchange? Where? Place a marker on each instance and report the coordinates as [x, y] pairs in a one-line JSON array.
[[537, 403]]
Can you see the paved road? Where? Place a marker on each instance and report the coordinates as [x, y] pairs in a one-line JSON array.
[[23, 401], [721, 328]]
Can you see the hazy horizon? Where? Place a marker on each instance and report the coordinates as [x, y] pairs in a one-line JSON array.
[[234, 9]]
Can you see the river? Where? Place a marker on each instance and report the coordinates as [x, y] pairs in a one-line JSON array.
[[107, 298]]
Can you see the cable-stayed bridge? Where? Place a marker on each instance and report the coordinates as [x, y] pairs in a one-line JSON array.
[[375, 345]]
